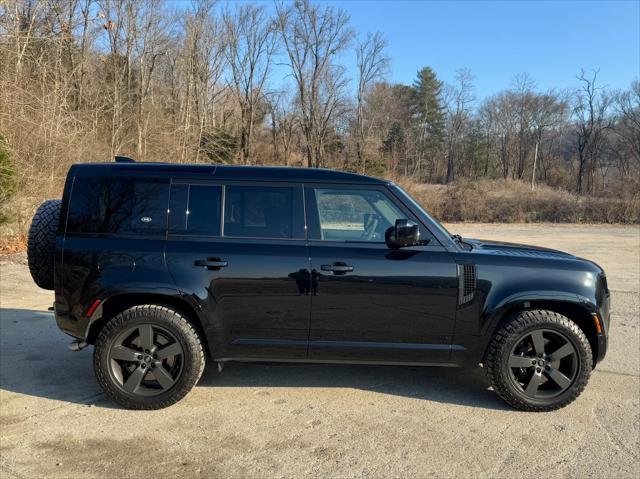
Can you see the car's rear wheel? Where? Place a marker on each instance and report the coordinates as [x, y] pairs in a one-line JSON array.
[[148, 357], [539, 361]]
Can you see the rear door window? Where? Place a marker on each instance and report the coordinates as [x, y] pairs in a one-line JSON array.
[[118, 206], [195, 210], [270, 212]]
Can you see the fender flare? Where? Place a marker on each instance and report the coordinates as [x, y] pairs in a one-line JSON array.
[[141, 293], [493, 317]]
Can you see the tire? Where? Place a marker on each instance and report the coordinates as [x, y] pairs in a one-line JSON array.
[[123, 359], [531, 382], [41, 244]]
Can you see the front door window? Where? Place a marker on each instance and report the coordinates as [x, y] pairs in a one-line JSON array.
[[354, 214]]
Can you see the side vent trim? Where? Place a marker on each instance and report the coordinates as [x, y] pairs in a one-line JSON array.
[[466, 283]]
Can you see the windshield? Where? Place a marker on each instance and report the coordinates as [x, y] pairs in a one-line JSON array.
[[416, 205]]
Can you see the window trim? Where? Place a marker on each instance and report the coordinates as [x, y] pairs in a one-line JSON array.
[[223, 205]]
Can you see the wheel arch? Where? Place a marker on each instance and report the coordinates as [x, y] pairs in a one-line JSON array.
[[577, 312], [114, 305]]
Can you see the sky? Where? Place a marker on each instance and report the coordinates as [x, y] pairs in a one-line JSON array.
[[549, 40]]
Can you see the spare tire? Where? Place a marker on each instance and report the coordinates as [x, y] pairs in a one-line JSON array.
[[41, 245]]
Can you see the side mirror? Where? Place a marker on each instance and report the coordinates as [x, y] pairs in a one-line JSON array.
[[404, 233]]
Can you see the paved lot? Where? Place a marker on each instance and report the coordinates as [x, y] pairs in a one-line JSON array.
[[258, 420]]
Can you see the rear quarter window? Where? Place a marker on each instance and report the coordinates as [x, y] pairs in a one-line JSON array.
[[118, 206]]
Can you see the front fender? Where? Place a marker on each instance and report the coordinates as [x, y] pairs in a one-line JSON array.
[[575, 288]]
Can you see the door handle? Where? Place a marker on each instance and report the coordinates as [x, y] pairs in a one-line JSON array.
[[337, 268], [211, 263]]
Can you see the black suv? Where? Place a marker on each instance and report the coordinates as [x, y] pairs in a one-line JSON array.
[[160, 265]]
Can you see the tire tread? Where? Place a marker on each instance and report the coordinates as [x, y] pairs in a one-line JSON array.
[[41, 243]]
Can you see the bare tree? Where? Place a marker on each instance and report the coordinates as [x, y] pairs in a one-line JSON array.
[[627, 127], [458, 113], [251, 43], [549, 111], [488, 127], [283, 126], [372, 64], [117, 26], [312, 36], [332, 106], [22, 18], [523, 99], [151, 43], [591, 121], [199, 65], [387, 109], [501, 125]]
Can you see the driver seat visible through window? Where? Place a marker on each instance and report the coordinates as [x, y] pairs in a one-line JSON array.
[[354, 214]]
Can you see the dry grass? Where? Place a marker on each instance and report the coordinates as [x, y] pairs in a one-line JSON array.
[[13, 243], [502, 201], [18, 211]]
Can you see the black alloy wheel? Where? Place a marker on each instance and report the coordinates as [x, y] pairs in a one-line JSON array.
[[543, 364], [148, 357], [146, 360], [539, 360]]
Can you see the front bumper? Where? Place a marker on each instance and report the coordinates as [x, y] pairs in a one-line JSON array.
[[603, 298]]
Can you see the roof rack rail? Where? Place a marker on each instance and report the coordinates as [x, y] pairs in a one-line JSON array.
[[124, 159]]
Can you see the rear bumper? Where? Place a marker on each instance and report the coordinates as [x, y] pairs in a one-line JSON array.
[[68, 323]]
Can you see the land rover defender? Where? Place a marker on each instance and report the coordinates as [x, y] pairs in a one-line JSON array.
[[160, 266]]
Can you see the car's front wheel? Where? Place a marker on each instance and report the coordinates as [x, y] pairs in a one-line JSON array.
[[539, 361], [148, 357]]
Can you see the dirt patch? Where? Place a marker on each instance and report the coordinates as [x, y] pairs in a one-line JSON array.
[[19, 257]]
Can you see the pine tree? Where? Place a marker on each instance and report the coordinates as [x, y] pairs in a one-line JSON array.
[[427, 105]]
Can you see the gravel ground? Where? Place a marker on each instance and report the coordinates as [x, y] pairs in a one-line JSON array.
[[280, 420], [13, 258]]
